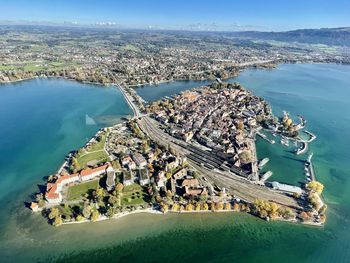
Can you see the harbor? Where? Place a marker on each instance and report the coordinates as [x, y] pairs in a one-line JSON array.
[[264, 136], [309, 169]]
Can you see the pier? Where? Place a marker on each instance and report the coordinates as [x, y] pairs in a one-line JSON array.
[[312, 136], [309, 169], [303, 148]]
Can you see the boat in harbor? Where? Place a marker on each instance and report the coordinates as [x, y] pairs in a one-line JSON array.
[[266, 175], [263, 162], [284, 141]]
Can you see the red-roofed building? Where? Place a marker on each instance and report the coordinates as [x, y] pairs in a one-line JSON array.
[[53, 190], [88, 174], [34, 206]]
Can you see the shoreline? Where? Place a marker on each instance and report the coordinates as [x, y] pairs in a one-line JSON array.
[[156, 212], [137, 211], [135, 86]]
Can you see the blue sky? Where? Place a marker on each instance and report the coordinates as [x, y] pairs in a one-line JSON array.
[[229, 14]]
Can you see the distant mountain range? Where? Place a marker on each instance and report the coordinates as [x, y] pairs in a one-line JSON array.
[[328, 36]]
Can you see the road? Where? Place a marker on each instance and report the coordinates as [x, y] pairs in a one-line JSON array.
[[130, 101], [237, 185]]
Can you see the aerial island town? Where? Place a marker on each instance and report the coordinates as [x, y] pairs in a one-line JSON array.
[[193, 152]]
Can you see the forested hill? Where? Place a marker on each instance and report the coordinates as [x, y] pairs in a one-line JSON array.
[[327, 36]]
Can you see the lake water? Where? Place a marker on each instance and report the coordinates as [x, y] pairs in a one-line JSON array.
[[42, 120]]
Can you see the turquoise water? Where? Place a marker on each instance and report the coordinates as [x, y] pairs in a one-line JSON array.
[[42, 120], [319, 92], [154, 92]]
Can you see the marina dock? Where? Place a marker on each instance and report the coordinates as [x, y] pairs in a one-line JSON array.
[[265, 137], [309, 169]]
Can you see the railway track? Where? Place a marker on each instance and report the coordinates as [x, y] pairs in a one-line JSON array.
[[205, 164]]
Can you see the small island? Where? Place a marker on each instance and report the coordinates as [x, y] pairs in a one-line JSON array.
[[194, 152]]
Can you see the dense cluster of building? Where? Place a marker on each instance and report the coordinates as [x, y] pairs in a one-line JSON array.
[[139, 160], [222, 117]]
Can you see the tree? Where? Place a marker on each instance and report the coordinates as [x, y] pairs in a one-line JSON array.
[[323, 209], [98, 194], [236, 207], [198, 207], [112, 200], [119, 187], [205, 206], [95, 215], [168, 175], [323, 218], [164, 207], [79, 218], [304, 216], [87, 211], [315, 186], [175, 207], [189, 207], [111, 212], [75, 165], [286, 213], [116, 165], [57, 221], [227, 206], [315, 201], [54, 212], [245, 156], [219, 206]]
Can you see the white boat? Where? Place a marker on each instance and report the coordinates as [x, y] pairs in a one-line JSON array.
[[284, 141], [263, 162]]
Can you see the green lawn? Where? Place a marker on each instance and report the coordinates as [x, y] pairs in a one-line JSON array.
[[100, 156], [133, 195], [95, 152], [98, 145], [78, 191]]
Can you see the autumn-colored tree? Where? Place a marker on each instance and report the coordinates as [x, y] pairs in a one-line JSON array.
[[227, 206], [219, 206], [119, 187], [245, 156], [79, 218], [304, 216], [54, 212], [95, 215], [57, 221], [205, 206], [189, 207], [236, 207], [164, 207], [175, 207], [323, 209], [286, 213], [315, 186], [87, 211]]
